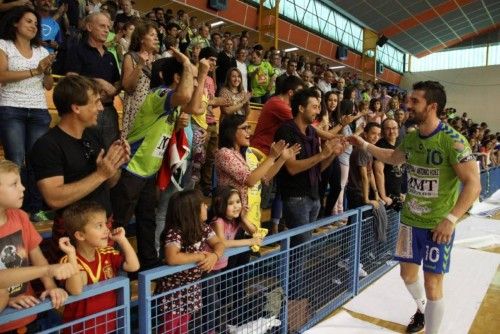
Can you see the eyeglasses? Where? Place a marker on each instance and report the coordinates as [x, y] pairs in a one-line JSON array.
[[245, 128], [88, 150]]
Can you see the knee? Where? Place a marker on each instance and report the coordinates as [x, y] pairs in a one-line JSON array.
[[433, 288], [409, 278]]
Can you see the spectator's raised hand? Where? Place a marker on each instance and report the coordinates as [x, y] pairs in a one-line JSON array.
[[181, 58], [57, 295], [23, 301], [118, 235], [204, 66], [290, 152], [277, 148], [66, 246]]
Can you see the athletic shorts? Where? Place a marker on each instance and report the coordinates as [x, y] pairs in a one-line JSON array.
[[415, 245]]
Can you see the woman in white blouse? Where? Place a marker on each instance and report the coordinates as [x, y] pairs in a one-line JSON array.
[[24, 73]]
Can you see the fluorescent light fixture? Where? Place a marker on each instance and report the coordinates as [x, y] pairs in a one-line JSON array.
[[291, 49], [336, 67], [216, 24]]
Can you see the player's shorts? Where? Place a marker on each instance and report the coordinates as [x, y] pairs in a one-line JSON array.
[[416, 245]]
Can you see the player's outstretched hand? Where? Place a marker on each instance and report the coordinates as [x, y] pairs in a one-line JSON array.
[[355, 140]]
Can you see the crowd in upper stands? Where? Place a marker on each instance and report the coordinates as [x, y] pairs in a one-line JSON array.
[[173, 73]]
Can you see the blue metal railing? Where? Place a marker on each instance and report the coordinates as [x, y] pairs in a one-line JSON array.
[[314, 278], [490, 181], [119, 315]]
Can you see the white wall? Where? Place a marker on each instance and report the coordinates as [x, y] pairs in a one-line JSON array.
[[473, 90]]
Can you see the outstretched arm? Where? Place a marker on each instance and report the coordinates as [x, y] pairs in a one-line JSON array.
[[388, 156]]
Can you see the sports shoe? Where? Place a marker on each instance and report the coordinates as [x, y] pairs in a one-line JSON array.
[[417, 323], [361, 272]]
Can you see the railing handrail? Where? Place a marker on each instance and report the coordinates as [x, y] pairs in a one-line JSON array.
[[11, 314], [165, 270]]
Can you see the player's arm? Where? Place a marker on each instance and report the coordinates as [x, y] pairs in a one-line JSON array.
[[386, 155], [468, 174]]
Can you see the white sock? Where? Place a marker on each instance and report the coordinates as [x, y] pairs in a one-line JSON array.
[[417, 292], [434, 311]]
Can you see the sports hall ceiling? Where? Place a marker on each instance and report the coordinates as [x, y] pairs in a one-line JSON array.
[[421, 27]]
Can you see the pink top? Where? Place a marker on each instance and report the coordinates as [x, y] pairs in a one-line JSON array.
[[230, 230], [232, 170]]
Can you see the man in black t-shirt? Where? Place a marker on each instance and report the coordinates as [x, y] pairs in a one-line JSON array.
[[91, 58], [388, 177], [298, 182], [69, 164]]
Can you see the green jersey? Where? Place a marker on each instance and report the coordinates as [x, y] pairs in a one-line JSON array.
[[260, 80], [433, 186], [151, 131]]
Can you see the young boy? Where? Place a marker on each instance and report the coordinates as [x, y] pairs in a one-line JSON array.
[[85, 223], [19, 247]]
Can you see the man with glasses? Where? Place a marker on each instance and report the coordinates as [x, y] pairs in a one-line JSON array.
[[70, 164], [388, 178]]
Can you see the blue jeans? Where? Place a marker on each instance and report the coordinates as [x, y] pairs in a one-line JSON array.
[[300, 211], [20, 128]]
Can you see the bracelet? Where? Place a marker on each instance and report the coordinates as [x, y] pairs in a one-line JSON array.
[[452, 218], [365, 145], [31, 72]]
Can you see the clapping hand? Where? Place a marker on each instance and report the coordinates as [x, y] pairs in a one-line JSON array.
[[290, 152], [277, 149]]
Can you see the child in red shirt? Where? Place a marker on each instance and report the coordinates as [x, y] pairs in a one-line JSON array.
[[85, 223], [19, 250]]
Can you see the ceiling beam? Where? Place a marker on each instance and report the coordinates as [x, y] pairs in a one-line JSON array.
[[424, 16]]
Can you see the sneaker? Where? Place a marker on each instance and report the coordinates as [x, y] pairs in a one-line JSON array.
[[417, 323], [361, 272], [343, 264], [40, 216]]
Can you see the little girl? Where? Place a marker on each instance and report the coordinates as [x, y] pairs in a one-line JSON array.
[[228, 221], [186, 239]]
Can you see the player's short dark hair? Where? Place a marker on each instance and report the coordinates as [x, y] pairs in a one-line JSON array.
[[433, 93]]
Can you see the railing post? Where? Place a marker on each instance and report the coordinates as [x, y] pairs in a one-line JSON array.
[[285, 262], [357, 251], [124, 299], [144, 305]]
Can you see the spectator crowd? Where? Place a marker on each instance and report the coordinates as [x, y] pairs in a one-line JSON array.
[[172, 150]]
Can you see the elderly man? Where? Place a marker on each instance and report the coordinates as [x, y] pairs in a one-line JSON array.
[[91, 58]]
